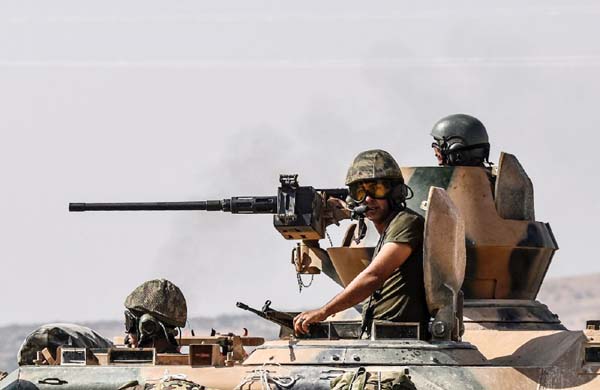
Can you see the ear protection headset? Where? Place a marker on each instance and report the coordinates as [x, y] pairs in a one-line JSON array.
[[399, 194], [455, 151]]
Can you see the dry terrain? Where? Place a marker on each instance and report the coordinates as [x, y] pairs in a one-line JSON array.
[[575, 299]]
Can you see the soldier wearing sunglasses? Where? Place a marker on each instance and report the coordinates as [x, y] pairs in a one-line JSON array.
[[392, 285]]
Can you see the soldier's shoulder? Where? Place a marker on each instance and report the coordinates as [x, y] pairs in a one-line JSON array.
[[406, 227], [408, 217]]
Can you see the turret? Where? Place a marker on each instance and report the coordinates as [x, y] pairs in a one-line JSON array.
[[507, 251]]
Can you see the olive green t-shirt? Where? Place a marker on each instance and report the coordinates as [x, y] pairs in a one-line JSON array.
[[402, 296]]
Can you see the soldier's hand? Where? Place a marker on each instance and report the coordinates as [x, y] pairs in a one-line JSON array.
[[304, 319], [335, 211]]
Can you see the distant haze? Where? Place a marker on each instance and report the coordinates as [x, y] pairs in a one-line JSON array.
[[188, 100]]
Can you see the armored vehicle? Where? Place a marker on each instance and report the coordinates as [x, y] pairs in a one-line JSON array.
[[485, 258]]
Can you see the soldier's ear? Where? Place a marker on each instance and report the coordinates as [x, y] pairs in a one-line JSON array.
[[400, 192]]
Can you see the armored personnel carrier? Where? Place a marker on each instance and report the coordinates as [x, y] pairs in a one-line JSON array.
[[485, 258]]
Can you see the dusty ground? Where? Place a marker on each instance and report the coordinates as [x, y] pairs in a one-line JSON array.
[[574, 299]]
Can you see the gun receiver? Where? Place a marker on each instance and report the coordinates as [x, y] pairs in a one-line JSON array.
[[285, 320], [281, 318], [298, 210]]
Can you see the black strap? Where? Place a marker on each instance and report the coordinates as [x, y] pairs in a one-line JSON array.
[[367, 318]]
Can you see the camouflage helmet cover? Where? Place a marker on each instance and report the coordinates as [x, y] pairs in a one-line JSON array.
[[160, 298], [372, 165]]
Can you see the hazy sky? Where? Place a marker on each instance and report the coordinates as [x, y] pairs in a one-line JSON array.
[[187, 100]]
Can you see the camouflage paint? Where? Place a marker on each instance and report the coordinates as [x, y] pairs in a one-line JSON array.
[[506, 259], [421, 179]]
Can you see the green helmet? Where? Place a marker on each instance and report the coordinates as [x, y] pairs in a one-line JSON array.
[[462, 140], [160, 298], [372, 165]]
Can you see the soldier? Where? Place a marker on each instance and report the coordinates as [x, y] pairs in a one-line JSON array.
[[155, 309], [460, 140], [393, 281], [53, 336]]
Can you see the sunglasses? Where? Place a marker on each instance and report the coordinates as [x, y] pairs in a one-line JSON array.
[[377, 189]]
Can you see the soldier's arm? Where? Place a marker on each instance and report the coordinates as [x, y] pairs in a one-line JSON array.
[[391, 256]]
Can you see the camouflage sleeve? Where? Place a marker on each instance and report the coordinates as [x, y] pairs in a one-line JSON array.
[[406, 228]]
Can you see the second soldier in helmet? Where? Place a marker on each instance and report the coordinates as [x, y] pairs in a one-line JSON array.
[[460, 140], [392, 284], [155, 309]]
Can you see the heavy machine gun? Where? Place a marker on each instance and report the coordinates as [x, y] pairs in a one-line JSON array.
[[298, 211]]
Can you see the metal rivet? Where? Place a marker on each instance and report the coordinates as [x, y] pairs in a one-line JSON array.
[[356, 358], [438, 329], [335, 358]]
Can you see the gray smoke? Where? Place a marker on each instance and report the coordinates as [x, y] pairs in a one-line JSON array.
[[143, 101]]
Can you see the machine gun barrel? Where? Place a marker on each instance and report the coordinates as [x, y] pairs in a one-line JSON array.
[[234, 205], [299, 212]]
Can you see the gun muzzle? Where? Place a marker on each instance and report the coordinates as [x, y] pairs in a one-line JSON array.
[[76, 207]]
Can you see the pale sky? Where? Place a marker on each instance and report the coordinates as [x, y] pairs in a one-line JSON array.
[[187, 100]]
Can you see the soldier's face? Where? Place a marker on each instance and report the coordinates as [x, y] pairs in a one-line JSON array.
[[438, 154], [133, 340], [379, 209]]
